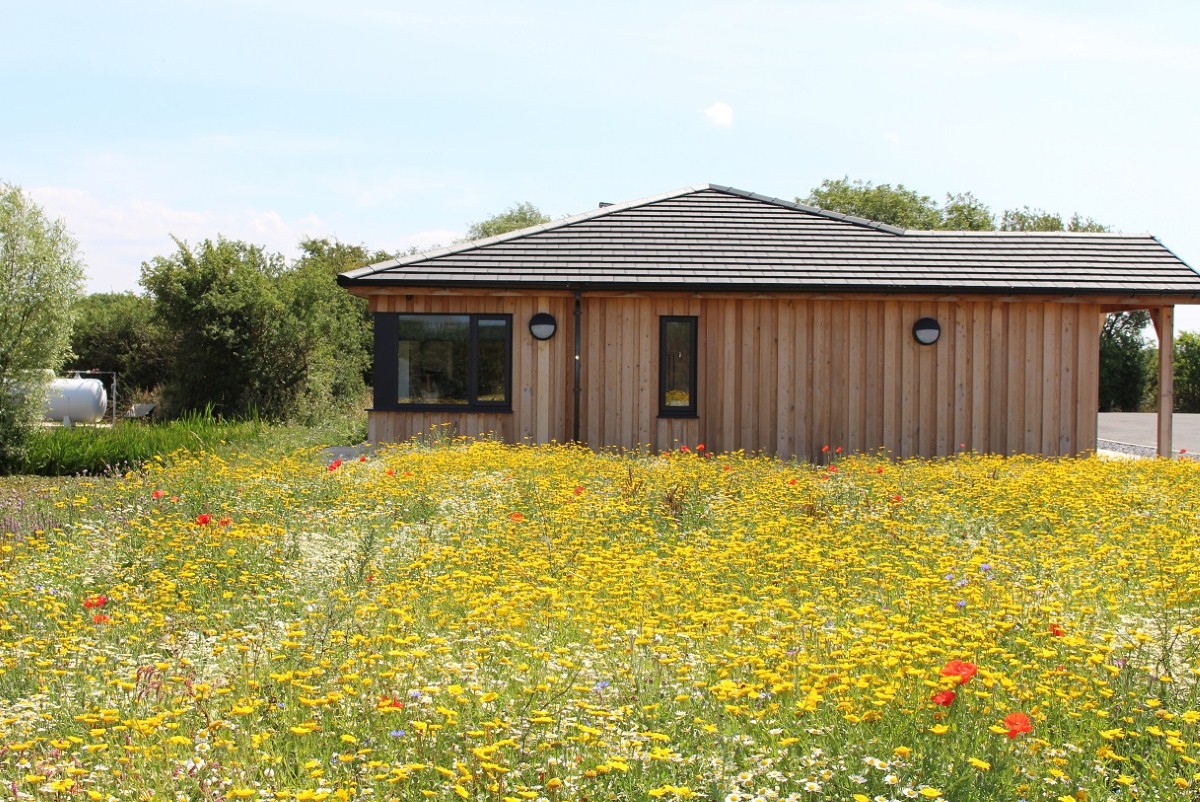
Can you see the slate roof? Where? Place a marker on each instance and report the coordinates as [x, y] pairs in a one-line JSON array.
[[709, 237]]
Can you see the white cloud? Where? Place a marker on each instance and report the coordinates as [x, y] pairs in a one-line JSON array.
[[115, 237], [720, 114]]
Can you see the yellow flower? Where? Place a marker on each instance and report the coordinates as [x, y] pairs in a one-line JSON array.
[[982, 765]]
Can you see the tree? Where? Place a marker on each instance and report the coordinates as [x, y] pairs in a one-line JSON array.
[[1123, 369], [897, 206], [119, 332], [337, 335], [965, 212], [234, 343], [521, 215], [1187, 372], [41, 276]]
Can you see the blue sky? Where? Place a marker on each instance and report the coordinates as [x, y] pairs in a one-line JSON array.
[[399, 123]]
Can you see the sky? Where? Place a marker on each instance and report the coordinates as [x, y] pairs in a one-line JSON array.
[[397, 124]]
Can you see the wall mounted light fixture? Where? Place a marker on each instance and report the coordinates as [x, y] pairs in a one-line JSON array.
[[926, 331], [542, 326]]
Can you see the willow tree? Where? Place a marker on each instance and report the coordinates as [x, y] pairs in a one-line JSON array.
[[41, 277]]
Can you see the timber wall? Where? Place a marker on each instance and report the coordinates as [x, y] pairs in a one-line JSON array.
[[789, 375]]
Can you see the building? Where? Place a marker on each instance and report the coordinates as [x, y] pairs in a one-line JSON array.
[[712, 315]]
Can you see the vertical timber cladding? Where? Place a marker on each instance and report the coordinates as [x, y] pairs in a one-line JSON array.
[[542, 372], [790, 375]]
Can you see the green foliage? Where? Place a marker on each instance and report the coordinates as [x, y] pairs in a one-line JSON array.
[[119, 332], [965, 212], [246, 333], [1123, 367], [897, 206], [1187, 372], [41, 276], [1029, 219], [521, 215], [96, 450], [336, 333], [233, 342]]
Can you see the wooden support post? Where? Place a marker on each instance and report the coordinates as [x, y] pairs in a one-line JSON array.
[[1164, 326]]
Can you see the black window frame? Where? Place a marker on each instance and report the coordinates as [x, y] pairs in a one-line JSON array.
[[387, 369], [676, 411]]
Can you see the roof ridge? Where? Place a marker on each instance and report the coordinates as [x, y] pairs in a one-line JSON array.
[[520, 233], [602, 211], [803, 207], [937, 232]]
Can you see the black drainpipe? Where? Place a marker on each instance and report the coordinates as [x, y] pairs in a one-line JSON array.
[[578, 368]]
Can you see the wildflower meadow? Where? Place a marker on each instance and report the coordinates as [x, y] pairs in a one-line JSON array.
[[471, 620]]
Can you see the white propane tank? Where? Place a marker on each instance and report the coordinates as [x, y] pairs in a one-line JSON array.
[[76, 400]]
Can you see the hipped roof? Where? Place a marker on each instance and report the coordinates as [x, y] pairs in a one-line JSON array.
[[710, 237]]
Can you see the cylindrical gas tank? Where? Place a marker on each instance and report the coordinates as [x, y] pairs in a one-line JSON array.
[[80, 400]]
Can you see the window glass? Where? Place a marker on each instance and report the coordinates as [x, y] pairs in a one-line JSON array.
[[453, 359], [677, 384], [492, 359], [433, 357]]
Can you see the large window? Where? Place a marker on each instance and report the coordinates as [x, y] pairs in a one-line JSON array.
[[677, 367], [450, 361]]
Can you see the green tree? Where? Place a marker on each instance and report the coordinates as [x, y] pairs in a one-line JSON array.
[[1123, 366], [119, 332], [883, 203], [233, 342], [1187, 372], [337, 335], [965, 212], [521, 215], [41, 276]]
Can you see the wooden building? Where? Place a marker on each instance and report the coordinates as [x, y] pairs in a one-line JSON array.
[[712, 315]]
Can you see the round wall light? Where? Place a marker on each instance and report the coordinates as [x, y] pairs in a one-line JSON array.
[[926, 331], [542, 326]]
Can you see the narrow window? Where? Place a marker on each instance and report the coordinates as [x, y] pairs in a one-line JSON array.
[[677, 367], [453, 361]]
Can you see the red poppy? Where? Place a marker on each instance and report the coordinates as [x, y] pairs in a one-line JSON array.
[[362, 458], [390, 472], [896, 499], [100, 618], [960, 669], [158, 494], [824, 449], [337, 463], [517, 517], [833, 469], [1017, 723], [226, 521], [95, 601], [837, 450], [792, 481], [684, 450], [944, 698], [700, 447], [1057, 631], [579, 490], [204, 519]]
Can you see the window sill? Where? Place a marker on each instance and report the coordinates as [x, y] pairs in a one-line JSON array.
[[678, 415], [443, 408]]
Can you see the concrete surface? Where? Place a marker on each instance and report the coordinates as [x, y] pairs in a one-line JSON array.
[[1141, 429]]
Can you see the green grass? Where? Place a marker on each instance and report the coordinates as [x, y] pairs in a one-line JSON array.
[[69, 451]]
